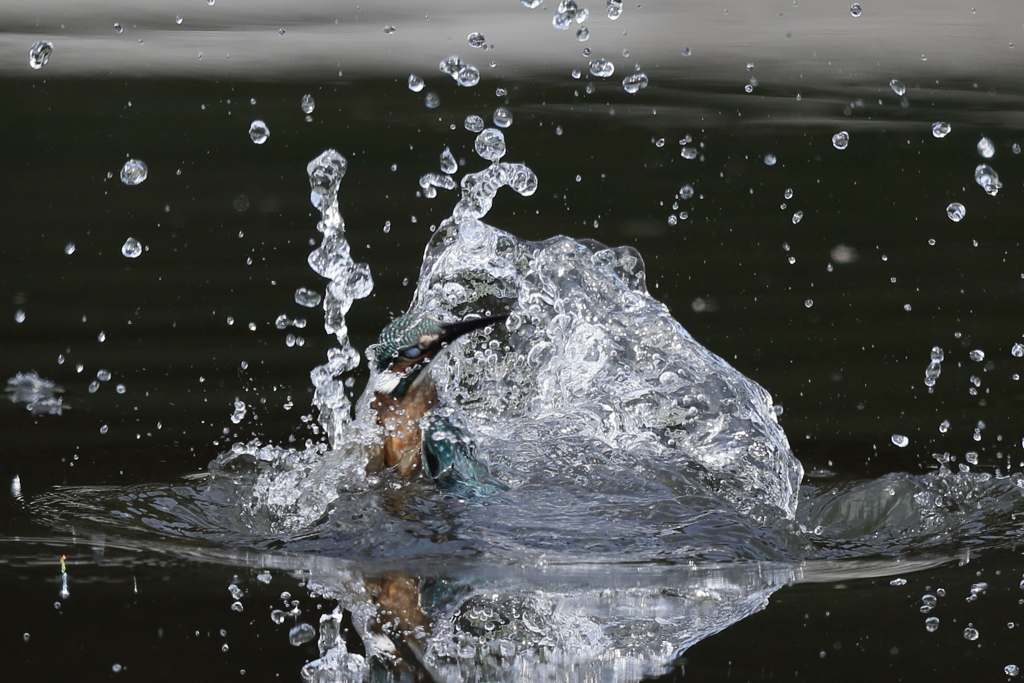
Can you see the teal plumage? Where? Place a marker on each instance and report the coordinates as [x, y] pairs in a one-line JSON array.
[[415, 435]]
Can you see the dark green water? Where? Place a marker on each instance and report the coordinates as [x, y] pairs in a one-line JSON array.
[[227, 224]]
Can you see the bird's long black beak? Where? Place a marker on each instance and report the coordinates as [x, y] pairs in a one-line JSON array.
[[452, 331]]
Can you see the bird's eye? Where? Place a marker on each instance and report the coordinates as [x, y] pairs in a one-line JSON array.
[[412, 352]]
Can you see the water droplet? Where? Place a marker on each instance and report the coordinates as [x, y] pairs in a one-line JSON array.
[[769, 159], [476, 40], [415, 83], [943, 426], [972, 457], [931, 624], [788, 194], [797, 217], [308, 104], [502, 117], [1011, 670], [490, 144], [1018, 350], [686, 52], [856, 10], [259, 132], [614, 9], [473, 123], [602, 67], [431, 100], [133, 172], [565, 13], [236, 417], [178, 19], [941, 129], [899, 581], [977, 355], [956, 212], [688, 152], [301, 634], [389, 29], [1015, 148], [900, 440], [634, 82], [971, 633], [448, 164], [841, 140], [468, 76], [986, 149], [39, 54], [450, 66], [131, 248], [987, 177], [898, 87], [118, 28], [686, 192], [69, 248], [808, 303]]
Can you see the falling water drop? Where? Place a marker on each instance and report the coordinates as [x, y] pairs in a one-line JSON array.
[[602, 68], [259, 132], [131, 248], [133, 172], [39, 54]]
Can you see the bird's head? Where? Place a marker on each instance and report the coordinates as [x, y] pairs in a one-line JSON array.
[[410, 342]]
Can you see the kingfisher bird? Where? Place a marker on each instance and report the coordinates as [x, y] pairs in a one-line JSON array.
[[416, 436]]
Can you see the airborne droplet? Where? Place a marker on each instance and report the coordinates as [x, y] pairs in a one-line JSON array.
[[133, 172], [259, 132], [634, 82], [131, 248], [986, 149], [502, 117], [602, 68], [39, 54], [956, 212]]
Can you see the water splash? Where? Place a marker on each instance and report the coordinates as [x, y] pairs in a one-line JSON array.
[[39, 395]]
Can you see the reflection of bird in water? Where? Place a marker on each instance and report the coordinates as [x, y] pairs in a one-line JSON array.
[[415, 435]]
